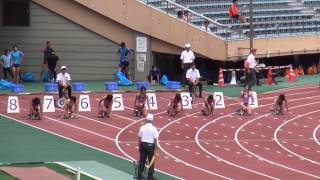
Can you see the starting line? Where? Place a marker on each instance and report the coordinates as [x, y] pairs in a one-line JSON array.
[[84, 105]]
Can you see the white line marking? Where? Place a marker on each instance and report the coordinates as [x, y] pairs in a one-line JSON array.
[[283, 147], [272, 162], [314, 134]]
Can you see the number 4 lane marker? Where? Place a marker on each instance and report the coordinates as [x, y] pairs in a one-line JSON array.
[[13, 105], [84, 103]]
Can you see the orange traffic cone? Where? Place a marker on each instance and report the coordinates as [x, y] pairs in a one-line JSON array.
[[292, 76], [269, 76], [221, 79]]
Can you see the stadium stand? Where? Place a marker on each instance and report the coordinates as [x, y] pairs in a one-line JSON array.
[[271, 17]]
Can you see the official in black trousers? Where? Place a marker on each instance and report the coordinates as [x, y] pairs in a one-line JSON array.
[[148, 136]]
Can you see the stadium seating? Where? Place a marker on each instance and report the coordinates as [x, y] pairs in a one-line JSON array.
[[271, 17]]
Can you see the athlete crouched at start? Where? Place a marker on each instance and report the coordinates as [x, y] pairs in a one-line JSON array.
[[105, 106], [69, 108], [35, 111], [208, 106], [175, 107], [279, 104], [245, 96], [140, 103]]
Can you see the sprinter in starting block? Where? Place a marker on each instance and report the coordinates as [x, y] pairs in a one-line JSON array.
[[280, 104], [208, 106], [69, 109], [105, 106], [245, 96], [175, 107], [35, 111]]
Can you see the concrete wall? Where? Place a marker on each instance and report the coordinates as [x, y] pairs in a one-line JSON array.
[[87, 54]]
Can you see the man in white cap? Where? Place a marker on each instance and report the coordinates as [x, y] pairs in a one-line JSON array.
[[148, 137], [187, 58], [63, 80]]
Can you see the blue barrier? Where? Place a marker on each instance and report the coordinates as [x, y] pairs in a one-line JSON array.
[[17, 88], [50, 87], [110, 86], [173, 85], [143, 84], [79, 86]]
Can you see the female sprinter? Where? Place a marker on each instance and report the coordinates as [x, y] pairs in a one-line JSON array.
[[175, 107], [208, 106], [279, 104], [140, 103], [105, 106], [69, 109], [35, 111], [245, 95]]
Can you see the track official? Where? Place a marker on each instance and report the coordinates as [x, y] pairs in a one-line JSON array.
[[148, 136]]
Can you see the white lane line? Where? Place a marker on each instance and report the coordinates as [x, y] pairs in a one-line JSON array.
[[177, 159], [314, 134], [94, 120], [272, 162], [79, 128], [283, 147], [215, 120]]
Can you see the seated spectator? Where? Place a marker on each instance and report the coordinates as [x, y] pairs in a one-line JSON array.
[[234, 12], [63, 80], [312, 69], [154, 75], [193, 77], [299, 70], [205, 26], [186, 16], [180, 14]]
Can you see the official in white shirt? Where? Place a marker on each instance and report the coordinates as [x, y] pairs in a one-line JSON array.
[[187, 58], [63, 80], [148, 137], [251, 68], [193, 77]]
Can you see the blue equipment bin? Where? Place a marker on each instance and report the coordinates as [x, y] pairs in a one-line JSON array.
[[51, 87], [17, 88], [79, 86], [173, 85], [145, 84], [110, 86]]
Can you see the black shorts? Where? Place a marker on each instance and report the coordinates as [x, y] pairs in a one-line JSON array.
[[245, 104], [16, 65], [124, 64]]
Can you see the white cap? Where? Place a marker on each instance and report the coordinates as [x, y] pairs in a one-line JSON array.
[[63, 67], [188, 45], [149, 117]]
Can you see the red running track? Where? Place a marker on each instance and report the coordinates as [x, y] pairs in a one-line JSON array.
[[225, 146]]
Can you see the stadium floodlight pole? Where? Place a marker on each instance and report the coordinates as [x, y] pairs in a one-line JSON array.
[[251, 23]]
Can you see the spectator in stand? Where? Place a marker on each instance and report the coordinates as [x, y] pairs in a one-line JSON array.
[[154, 75], [18, 58], [180, 15], [193, 77], [6, 62], [186, 16], [187, 58], [234, 12], [124, 60], [205, 26], [63, 80]]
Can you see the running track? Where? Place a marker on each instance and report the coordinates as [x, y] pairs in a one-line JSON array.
[[225, 146]]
